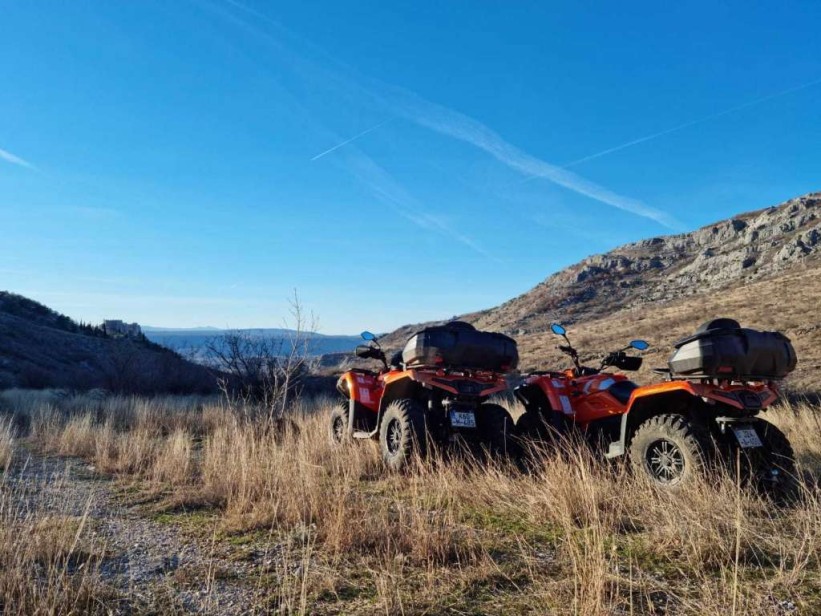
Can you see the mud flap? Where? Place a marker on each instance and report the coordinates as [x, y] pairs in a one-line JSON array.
[[618, 447], [351, 416]]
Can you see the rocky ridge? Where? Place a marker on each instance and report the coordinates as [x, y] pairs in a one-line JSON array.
[[746, 248], [740, 250]]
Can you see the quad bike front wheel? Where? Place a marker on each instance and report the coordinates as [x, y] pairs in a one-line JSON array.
[[338, 425], [402, 433], [670, 450]]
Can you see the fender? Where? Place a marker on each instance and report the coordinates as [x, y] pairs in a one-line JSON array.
[[742, 397], [533, 398], [363, 388], [643, 401], [555, 390], [461, 384], [677, 397], [399, 384]]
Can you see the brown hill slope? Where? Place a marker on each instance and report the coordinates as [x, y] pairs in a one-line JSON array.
[[788, 303], [42, 348], [741, 250], [762, 268]]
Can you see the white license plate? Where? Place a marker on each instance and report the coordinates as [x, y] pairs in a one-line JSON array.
[[747, 437], [462, 419]]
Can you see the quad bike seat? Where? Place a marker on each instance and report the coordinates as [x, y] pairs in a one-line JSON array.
[[621, 390]]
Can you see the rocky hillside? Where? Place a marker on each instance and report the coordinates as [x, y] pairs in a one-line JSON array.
[[749, 247], [762, 267], [41, 348]]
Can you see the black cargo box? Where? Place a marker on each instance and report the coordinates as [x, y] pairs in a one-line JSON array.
[[723, 349], [460, 345]]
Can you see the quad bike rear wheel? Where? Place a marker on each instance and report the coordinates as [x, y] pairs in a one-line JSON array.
[[338, 425], [539, 425], [670, 450], [402, 433], [496, 429], [772, 467]]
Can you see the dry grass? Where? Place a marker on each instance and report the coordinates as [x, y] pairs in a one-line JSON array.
[[7, 433], [48, 563], [454, 536]]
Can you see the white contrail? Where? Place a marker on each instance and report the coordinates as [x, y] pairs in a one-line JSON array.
[[706, 118], [347, 141], [443, 120], [464, 128], [15, 160], [387, 190]]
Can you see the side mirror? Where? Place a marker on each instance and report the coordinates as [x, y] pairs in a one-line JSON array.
[[364, 351], [368, 336], [558, 329], [639, 345]]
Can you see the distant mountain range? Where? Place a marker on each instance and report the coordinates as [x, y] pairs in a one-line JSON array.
[[193, 342]]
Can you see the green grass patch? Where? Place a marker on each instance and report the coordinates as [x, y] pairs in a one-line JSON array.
[[510, 524]]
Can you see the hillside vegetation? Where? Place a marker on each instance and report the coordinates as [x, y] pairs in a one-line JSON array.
[[41, 348]]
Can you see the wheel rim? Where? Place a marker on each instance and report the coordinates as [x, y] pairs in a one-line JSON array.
[[339, 429], [665, 461], [394, 436]]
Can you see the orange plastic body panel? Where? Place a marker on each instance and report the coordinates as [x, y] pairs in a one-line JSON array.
[[368, 389], [489, 383], [725, 393], [585, 399]]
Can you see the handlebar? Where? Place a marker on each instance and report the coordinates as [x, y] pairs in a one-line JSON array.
[[619, 358]]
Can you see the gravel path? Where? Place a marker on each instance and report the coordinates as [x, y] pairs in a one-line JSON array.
[[155, 565]]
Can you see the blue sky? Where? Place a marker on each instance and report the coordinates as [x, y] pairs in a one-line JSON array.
[[176, 163]]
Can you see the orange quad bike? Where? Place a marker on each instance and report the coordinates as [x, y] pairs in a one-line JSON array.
[[718, 382], [436, 389]]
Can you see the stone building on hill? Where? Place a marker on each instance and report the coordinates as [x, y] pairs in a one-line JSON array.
[[117, 328]]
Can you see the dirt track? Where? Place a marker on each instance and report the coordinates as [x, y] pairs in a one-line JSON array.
[[150, 560]]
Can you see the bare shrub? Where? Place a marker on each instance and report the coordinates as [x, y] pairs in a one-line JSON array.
[[264, 373]]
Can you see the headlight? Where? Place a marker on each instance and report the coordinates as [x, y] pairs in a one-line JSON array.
[[343, 387]]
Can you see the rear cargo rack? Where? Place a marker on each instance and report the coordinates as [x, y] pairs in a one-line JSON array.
[[733, 354], [459, 346]]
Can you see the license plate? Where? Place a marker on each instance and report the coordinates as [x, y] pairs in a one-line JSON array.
[[747, 437], [462, 419]]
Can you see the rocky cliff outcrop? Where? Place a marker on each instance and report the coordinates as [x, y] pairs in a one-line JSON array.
[[744, 249]]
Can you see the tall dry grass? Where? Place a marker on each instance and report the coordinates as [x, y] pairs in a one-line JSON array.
[[7, 434], [801, 422], [575, 535], [48, 562]]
